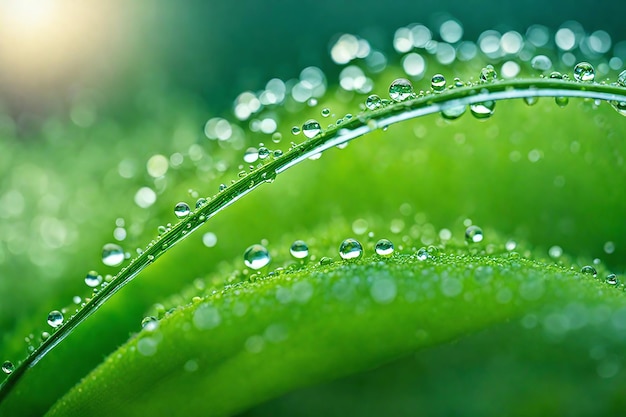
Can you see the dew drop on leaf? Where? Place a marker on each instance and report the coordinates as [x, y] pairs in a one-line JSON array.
[[589, 270], [55, 318], [621, 79], [350, 249], [181, 210], [112, 254], [93, 279], [384, 247], [373, 102], [488, 74], [401, 89], [251, 155], [311, 128], [325, 112], [438, 83], [584, 71], [299, 249], [150, 323], [611, 279], [474, 234], [422, 254], [256, 257], [8, 367], [483, 110]]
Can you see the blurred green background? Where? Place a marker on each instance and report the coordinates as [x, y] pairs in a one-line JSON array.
[[90, 92]]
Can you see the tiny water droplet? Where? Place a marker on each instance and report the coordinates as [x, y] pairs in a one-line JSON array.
[[299, 249], [438, 83], [531, 100], [384, 247], [401, 89], [556, 75], [612, 279], [325, 260], [278, 153], [422, 254], [45, 335], [483, 110], [621, 79], [222, 187], [325, 112], [619, 106], [93, 279], [561, 101], [474, 234], [584, 71], [589, 270], [277, 137], [55, 318], [150, 323], [112, 254], [311, 128], [451, 113], [256, 257], [488, 74], [8, 367], [295, 130], [201, 202], [373, 102], [182, 210], [350, 249]]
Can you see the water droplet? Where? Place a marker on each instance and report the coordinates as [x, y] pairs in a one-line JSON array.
[[8, 367], [311, 128], [150, 323], [556, 75], [474, 234], [422, 254], [619, 106], [488, 74], [350, 249], [438, 83], [45, 335], [182, 210], [401, 89], [609, 247], [222, 187], [112, 254], [295, 130], [589, 270], [452, 113], [612, 279], [621, 79], [584, 71], [325, 260], [161, 229], [299, 249], [93, 279], [541, 63], [483, 110], [325, 112], [384, 247], [373, 102], [531, 100], [278, 153], [277, 137], [256, 257], [251, 155], [561, 101], [263, 152], [55, 318], [201, 202]]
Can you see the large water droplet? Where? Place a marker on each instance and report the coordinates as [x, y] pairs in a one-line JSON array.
[[384, 247], [8, 367], [350, 249], [55, 318], [112, 254], [488, 74], [299, 249], [251, 155], [589, 270], [373, 102], [483, 110], [401, 89], [311, 128], [611, 279], [182, 210], [93, 279], [256, 256], [584, 71], [474, 234], [438, 83]]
